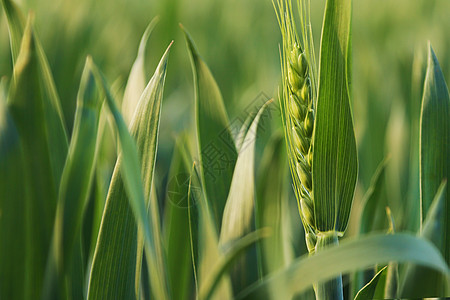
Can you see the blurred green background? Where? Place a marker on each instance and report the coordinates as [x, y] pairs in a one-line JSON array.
[[239, 40]]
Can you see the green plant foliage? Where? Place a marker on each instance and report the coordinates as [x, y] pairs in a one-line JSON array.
[[368, 291], [137, 79], [34, 108], [214, 139], [106, 192], [271, 206], [420, 281], [176, 222], [335, 164], [75, 184], [434, 143], [364, 252], [127, 184]]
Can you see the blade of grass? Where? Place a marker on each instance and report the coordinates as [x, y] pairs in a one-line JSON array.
[[420, 281], [435, 143], [216, 148], [368, 291], [237, 248], [176, 221], [270, 204], [372, 218], [204, 242], [44, 147], [75, 185], [56, 129], [137, 79], [348, 256], [238, 214], [16, 26], [13, 203], [239, 207], [118, 233]]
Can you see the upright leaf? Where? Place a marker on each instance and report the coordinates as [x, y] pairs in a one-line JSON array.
[[334, 165], [271, 205], [435, 143], [239, 208], [16, 25], [373, 216], [372, 219], [75, 182], [420, 281], [13, 208], [43, 143], [368, 291], [56, 129], [129, 192], [176, 229], [205, 244], [238, 247], [136, 79], [217, 150]]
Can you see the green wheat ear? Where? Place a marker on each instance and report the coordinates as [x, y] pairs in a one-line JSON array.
[[297, 102]]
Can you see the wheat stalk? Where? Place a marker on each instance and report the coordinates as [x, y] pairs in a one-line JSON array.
[[297, 102]]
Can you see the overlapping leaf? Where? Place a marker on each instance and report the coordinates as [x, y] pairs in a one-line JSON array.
[[126, 202], [420, 281], [137, 79], [348, 256], [34, 108], [176, 229], [216, 148]]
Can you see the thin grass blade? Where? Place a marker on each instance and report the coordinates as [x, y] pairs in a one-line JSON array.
[[176, 222], [127, 201], [216, 147], [239, 208], [16, 26], [204, 242], [368, 291], [137, 79], [435, 144], [44, 147], [74, 189], [271, 206], [237, 248], [238, 215], [56, 129], [420, 281], [13, 203], [348, 256]]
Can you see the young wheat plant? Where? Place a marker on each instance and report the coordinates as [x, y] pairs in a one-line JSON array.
[[297, 102]]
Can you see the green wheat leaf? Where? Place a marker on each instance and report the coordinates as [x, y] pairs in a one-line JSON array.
[[435, 143], [176, 222], [13, 204], [137, 79], [335, 164], [217, 150], [368, 291], [348, 256], [127, 201], [271, 205], [239, 208], [420, 281], [75, 185], [34, 108]]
